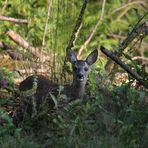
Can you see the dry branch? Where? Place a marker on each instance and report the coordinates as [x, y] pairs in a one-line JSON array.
[[23, 43], [14, 20], [124, 66]]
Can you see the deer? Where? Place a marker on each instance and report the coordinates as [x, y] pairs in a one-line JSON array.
[[75, 90]]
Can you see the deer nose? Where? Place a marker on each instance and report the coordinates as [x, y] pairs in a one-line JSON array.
[[80, 76]]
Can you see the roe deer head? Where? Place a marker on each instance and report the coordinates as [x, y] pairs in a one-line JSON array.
[[80, 72]]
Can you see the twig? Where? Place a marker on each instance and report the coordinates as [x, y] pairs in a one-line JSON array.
[[14, 20], [46, 24], [44, 34], [124, 12], [124, 66], [139, 29], [93, 31], [4, 6], [127, 5], [140, 58]]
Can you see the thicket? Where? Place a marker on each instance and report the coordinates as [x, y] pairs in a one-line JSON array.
[[116, 113]]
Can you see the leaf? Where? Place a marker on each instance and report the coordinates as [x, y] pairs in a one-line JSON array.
[[54, 99]]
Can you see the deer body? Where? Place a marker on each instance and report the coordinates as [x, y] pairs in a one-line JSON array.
[[44, 86]]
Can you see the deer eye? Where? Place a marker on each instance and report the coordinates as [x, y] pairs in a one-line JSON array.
[[75, 68], [86, 69]]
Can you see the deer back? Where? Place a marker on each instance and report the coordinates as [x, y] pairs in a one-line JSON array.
[[43, 88]]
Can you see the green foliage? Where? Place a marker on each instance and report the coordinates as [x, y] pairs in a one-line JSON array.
[[110, 117], [8, 123], [7, 76], [90, 124], [7, 86]]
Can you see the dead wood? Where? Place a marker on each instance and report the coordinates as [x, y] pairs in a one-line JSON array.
[[116, 59], [14, 20], [23, 43]]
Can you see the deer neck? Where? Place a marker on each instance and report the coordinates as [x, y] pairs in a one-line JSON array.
[[78, 89]]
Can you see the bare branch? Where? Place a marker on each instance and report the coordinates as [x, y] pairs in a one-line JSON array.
[[14, 20], [93, 31], [22, 42], [124, 66]]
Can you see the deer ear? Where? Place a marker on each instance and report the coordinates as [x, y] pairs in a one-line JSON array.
[[92, 57], [71, 56]]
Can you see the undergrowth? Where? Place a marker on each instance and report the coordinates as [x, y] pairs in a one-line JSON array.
[[114, 119]]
